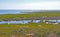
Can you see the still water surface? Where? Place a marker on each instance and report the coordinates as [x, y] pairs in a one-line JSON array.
[[26, 21]]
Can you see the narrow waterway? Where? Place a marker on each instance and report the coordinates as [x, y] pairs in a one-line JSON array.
[[19, 22], [27, 21]]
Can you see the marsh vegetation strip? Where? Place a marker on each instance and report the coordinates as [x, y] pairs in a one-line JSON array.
[[13, 16], [32, 30]]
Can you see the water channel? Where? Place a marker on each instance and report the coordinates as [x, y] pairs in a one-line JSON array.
[[27, 21]]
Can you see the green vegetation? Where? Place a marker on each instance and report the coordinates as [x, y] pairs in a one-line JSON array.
[[42, 29], [14, 16]]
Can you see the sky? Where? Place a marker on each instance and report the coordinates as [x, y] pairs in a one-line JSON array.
[[30, 4]]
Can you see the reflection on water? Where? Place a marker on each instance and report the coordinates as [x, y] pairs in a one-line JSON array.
[[19, 22], [51, 20], [27, 21], [36, 21]]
